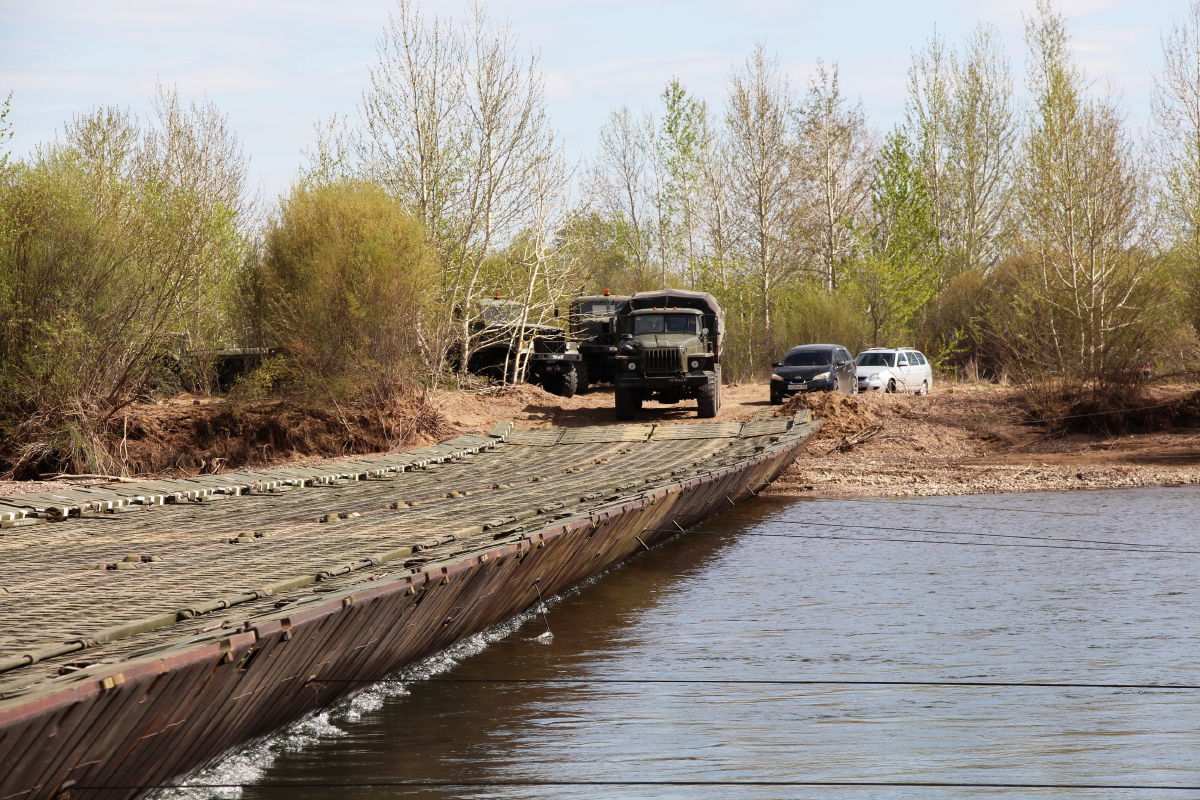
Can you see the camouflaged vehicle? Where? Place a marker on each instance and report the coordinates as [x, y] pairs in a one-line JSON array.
[[669, 350], [553, 361]]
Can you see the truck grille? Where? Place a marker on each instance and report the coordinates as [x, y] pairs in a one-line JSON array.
[[662, 359]]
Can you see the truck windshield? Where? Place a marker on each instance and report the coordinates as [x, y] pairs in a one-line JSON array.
[[808, 358], [597, 309], [505, 314], [876, 359], [665, 323]]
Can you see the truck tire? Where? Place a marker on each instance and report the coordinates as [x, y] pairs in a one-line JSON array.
[[568, 381], [628, 403], [581, 377], [708, 397]]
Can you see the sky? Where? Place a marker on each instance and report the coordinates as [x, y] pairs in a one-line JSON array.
[[278, 67]]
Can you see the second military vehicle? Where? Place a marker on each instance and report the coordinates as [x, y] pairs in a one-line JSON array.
[[498, 340], [593, 320], [669, 350]]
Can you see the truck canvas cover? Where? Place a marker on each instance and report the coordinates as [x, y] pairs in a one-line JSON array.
[[714, 315]]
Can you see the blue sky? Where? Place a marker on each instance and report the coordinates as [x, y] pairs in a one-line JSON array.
[[277, 67]]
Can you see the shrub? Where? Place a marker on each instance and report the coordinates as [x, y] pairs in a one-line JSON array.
[[345, 287]]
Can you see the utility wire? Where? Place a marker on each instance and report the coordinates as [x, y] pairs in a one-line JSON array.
[[775, 682], [894, 540], [691, 783], [915, 502], [952, 533]]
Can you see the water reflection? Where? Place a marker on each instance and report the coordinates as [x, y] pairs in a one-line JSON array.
[[726, 603]]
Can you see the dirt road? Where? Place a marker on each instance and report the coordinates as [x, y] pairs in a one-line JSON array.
[[961, 439]]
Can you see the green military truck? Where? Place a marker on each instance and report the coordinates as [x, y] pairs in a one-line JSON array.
[[669, 350], [593, 323], [497, 341]]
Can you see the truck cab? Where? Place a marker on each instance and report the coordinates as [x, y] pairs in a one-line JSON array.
[[669, 350], [593, 326]]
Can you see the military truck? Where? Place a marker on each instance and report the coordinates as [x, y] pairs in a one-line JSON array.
[[669, 350], [593, 325], [553, 361]]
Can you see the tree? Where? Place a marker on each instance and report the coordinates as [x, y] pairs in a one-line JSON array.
[[114, 245], [1080, 198], [982, 154], [961, 116], [834, 154], [456, 126], [1175, 147], [6, 129], [895, 276], [762, 190], [680, 143], [619, 187]]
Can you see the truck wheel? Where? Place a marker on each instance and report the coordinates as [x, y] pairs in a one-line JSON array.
[[708, 396], [568, 382], [628, 403], [581, 377]]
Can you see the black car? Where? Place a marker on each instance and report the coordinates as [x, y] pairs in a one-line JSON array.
[[814, 368]]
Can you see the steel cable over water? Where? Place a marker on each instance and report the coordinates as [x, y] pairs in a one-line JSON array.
[[468, 784]]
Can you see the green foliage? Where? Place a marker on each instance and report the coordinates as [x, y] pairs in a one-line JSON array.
[[6, 130], [895, 275], [346, 287], [98, 237]]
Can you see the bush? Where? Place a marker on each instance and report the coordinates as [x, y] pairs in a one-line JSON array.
[[345, 286], [108, 244]]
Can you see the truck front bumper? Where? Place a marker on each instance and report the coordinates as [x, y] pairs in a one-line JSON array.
[[636, 381], [552, 362]]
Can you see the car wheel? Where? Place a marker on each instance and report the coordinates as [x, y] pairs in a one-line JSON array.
[[776, 399], [924, 388], [854, 388], [891, 387]]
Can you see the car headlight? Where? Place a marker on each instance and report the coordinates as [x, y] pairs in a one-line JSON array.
[[821, 377], [775, 376], [632, 366]]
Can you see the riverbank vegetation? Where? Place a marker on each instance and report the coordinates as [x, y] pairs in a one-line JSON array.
[[1031, 236]]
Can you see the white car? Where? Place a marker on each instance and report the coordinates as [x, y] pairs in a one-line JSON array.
[[901, 369]]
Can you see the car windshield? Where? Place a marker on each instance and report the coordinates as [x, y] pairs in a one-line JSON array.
[[808, 358], [876, 359], [665, 323]]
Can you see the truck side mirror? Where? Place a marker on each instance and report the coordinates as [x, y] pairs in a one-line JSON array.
[[556, 313]]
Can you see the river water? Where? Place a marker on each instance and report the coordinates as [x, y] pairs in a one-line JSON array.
[[1082, 587]]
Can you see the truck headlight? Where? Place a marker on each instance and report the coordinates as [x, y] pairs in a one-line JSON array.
[[695, 364], [632, 366], [821, 377]]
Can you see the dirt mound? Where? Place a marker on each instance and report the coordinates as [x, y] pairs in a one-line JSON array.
[[227, 435], [841, 414]]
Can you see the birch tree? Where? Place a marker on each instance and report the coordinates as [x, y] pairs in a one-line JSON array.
[[960, 113], [1175, 144], [619, 184], [456, 126], [761, 182], [1080, 196], [834, 158]]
